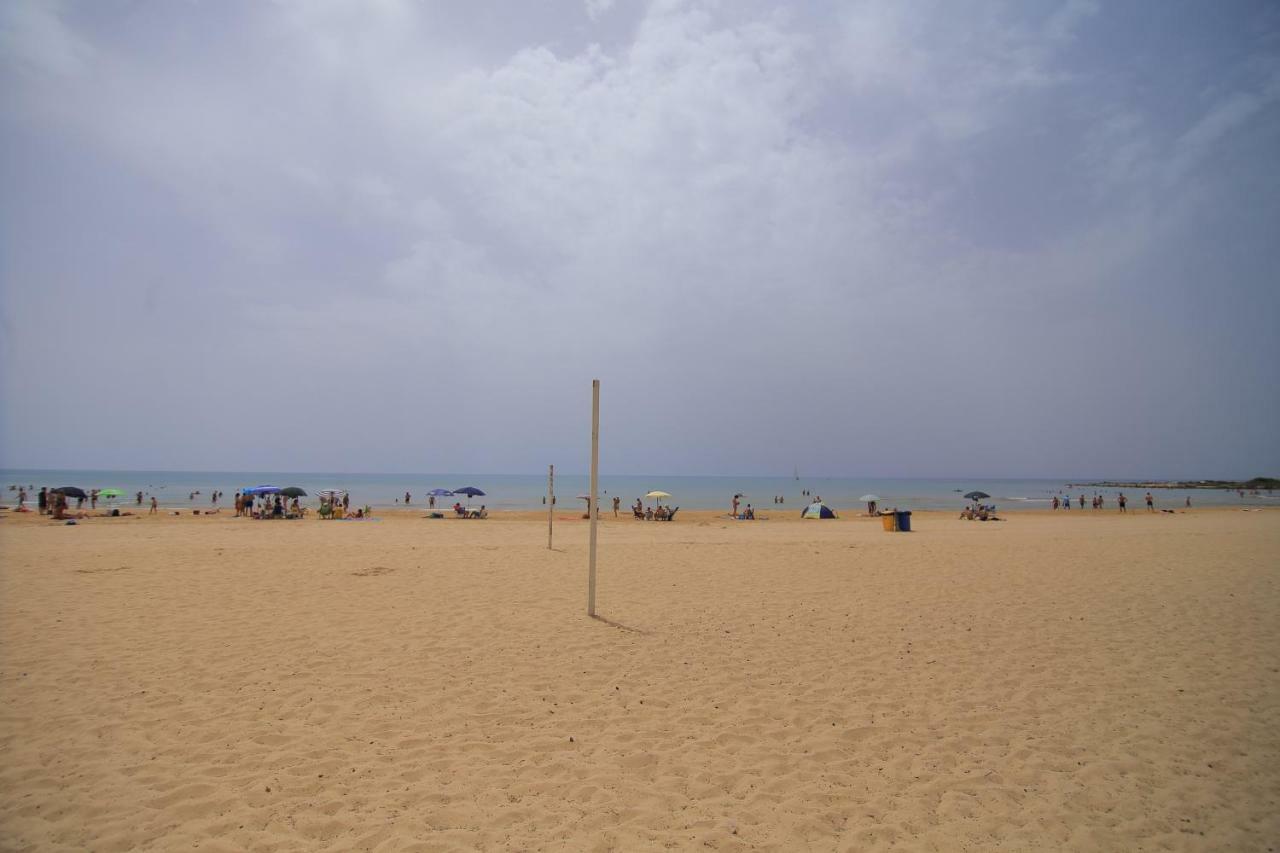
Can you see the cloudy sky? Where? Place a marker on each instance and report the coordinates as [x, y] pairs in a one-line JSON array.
[[883, 239]]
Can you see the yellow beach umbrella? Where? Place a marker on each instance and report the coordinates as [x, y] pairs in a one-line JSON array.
[[657, 495]]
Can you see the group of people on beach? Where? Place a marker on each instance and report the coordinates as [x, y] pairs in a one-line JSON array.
[[1098, 502], [268, 508], [56, 503], [639, 510]]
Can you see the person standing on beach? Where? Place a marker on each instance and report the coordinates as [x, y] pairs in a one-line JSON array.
[[1150, 503], [153, 505], [406, 498], [1082, 501], [1122, 500], [617, 502], [42, 500], [1188, 501], [22, 500], [346, 502], [735, 506]]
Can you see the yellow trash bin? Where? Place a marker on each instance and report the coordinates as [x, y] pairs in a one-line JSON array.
[[890, 522]]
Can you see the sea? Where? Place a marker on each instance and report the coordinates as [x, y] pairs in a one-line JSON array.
[[190, 489]]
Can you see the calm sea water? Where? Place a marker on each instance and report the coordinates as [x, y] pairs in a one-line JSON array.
[[525, 492]]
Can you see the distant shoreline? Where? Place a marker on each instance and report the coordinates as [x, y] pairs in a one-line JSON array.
[[1255, 484]]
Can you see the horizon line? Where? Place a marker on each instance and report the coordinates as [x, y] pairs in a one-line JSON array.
[[1078, 479]]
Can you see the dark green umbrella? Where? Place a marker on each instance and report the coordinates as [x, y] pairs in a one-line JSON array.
[[293, 492]]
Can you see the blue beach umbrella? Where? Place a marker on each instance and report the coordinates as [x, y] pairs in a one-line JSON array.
[[469, 491], [261, 490], [441, 493]]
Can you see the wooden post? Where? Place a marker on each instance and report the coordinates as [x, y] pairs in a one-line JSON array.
[[551, 500], [595, 484]]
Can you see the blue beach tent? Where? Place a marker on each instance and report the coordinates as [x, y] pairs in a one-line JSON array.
[[817, 510]]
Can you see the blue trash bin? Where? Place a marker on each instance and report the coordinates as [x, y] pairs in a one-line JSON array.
[[904, 520]]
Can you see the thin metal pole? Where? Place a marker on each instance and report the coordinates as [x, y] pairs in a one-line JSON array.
[[551, 500], [595, 484]]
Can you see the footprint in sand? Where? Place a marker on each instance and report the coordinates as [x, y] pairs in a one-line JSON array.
[[376, 570]]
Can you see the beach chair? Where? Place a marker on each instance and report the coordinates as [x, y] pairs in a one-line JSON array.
[[638, 513], [326, 511], [671, 513]]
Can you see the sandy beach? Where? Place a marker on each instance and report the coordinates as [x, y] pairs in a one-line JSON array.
[[1084, 682]]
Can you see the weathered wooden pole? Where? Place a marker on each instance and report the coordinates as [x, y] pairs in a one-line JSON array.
[[595, 484], [551, 501]]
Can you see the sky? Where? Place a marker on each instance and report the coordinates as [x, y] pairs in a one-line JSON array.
[[1005, 239]]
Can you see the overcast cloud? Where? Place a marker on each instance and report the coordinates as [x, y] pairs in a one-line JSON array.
[[884, 239]]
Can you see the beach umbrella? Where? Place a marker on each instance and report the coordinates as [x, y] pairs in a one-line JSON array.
[[261, 490], [72, 491], [469, 491], [331, 493], [657, 495], [109, 493], [739, 495], [869, 498], [441, 493], [977, 496], [293, 492]]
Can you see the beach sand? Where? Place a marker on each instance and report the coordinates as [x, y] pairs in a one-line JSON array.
[[1088, 681]]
